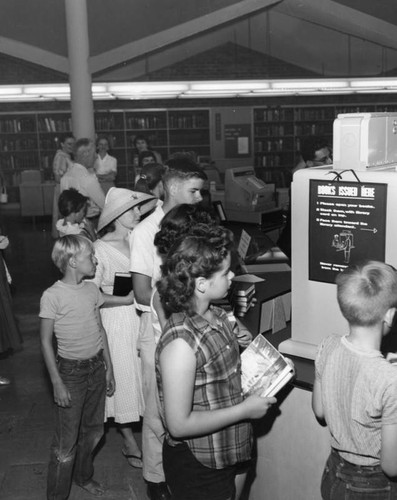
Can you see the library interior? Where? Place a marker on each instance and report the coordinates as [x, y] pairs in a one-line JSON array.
[[288, 111]]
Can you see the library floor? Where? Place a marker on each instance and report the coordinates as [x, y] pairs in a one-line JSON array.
[[26, 405]]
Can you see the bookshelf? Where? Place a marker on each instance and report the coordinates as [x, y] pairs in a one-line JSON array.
[[29, 141], [50, 127], [18, 145], [189, 131], [279, 132]]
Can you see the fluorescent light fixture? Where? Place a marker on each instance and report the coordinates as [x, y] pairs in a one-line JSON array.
[[146, 87], [10, 90], [392, 82], [205, 95], [46, 89], [216, 92], [98, 88], [309, 84], [149, 96], [273, 91], [228, 86], [203, 89]]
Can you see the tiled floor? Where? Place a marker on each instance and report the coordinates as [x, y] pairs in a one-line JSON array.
[[26, 405]]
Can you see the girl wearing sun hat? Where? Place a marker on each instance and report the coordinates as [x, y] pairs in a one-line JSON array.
[[121, 213]]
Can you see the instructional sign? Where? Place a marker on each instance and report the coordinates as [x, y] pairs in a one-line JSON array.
[[347, 223], [237, 140]]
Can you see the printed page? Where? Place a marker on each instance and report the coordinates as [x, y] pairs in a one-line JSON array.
[[263, 368]]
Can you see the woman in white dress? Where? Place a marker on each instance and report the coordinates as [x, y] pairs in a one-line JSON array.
[[121, 213]]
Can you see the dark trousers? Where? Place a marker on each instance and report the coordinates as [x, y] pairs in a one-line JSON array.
[[79, 428], [188, 479], [343, 480]]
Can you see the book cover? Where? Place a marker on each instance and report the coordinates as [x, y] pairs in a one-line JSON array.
[[122, 284], [264, 369]]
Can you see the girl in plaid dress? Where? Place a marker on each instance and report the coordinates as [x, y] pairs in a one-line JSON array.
[[208, 434]]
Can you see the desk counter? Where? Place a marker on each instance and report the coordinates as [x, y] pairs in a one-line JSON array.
[[292, 447]]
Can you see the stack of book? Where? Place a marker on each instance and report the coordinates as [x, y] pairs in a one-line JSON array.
[[241, 296]]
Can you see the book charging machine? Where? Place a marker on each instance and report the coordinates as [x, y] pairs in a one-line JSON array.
[[341, 214], [247, 197]]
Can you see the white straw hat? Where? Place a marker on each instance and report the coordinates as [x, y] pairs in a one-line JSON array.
[[119, 200]]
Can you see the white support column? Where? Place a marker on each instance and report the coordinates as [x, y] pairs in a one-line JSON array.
[[79, 72]]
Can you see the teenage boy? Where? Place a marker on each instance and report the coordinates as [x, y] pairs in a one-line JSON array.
[[183, 182], [355, 388]]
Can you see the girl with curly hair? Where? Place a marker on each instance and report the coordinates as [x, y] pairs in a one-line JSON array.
[[208, 435]]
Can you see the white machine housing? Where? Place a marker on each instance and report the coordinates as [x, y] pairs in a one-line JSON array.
[[365, 140], [361, 142], [247, 197]]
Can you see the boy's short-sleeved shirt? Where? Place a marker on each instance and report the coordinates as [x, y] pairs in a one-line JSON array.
[[144, 256], [217, 384], [359, 395], [74, 311]]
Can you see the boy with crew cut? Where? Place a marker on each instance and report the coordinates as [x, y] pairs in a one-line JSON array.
[[183, 182], [355, 388], [81, 373]]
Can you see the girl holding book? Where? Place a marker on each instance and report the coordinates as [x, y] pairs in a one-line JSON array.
[[121, 213], [208, 434]]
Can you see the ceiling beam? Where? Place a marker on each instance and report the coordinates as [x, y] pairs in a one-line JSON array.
[[178, 33], [343, 19], [34, 55]]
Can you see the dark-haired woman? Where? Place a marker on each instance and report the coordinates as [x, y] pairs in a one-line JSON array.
[[150, 180], [141, 143]]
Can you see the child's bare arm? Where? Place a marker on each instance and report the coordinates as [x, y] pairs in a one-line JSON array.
[[317, 403], [159, 309], [142, 287], [61, 393], [117, 300], [110, 383], [178, 370], [388, 455], [244, 336]]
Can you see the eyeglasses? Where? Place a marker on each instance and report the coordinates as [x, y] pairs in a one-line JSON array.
[[325, 160]]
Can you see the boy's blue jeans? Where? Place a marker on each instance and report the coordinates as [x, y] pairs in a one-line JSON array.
[[343, 480], [79, 428]]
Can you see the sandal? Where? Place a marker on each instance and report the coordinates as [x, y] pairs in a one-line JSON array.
[[93, 487], [133, 460]]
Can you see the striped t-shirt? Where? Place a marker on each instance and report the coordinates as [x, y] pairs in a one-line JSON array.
[[359, 395]]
